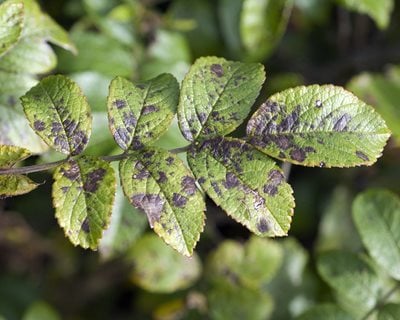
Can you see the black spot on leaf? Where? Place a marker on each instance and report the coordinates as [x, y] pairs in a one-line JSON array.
[[216, 188], [122, 136], [188, 185], [274, 179], [290, 121], [119, 104], [64, 189], [129, 119], [56, 127], [217, 70], [72, 173], [179, 200], [202, 117], [149, 109], [231, 181], [362, 156], [298, 154], [341, 123], [93, 179], [151, 204], [39, 125], [201, 180], [162, 177], [263, 226], [85, 225], [169, 160]]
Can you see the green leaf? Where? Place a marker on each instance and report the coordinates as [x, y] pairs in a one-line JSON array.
[[229, 301], [324, 126], [83, 196], [11, 21], [353, 280], [326, 312], [382, 91], [379, 11], [262, 24], [140, 114], [9, 155], [58, 112], [158, 183], [216, 96], [390, 311], [376, 214], [41, 310], [247, 184], [159, 268]]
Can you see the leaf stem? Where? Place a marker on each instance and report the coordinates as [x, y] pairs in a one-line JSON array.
[[286, 168], [381, 302], [51, 165]]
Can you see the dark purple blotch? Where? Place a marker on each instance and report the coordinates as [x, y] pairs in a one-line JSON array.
[[179, 200], [93, 179], [217, 70]]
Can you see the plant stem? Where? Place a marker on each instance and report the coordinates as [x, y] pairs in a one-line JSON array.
[[286, 167], [381, 302], [51, 165]]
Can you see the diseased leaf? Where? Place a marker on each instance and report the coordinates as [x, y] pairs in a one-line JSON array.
[[353, 280], [262, 24], [11, 21], [380, 11], [376, 214], [390, 311], [326, 312], [216, 96], [9, 155], [58, 112], [159, 268], [324, 126], [247, 184], [140, 114], [83, 196], [158, 183]]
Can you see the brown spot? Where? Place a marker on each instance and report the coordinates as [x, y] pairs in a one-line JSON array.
[[341, 123], [93, 179], [169, 160], [309, 149], [201, 180], [362, 156], [149, 109], [217, 70], [188, 185], [263, 226], [290, 122], [162, 177], [275, 178], [231, 181], [78, 142], [120, 104], [136, 144], [148, 154], [179, 200], [216, 188], [64, 189], [85, 225], [39, 125], [151, 204], [298, 155], [142, 174], [283, 142], [72, 173]]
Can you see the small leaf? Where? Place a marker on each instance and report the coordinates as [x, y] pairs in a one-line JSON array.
[[390, 311], [9, 155], [326, 312], [262, 24], [158, 183], [324, 126], [140, 114], [14, 185], [58, 112], [216, 96], [376, 214], [83, 196], [354, 281], [11, 21], [380, 11], [159, 268], [247, 184]]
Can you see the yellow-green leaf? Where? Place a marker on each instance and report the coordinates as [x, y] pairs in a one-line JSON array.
[[9, 155], [14, 185], [11, 21], [83, 196]]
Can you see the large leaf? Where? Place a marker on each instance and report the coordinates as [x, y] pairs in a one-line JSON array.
[[377, 217], [12, 185], [262, 24], [59, 113], [247, 184], [380, 11], [11, 21], [353, 280], [390, 311], [158, 183], [140, 114], [159, 268], [216, 96], [326, 312], [83, 196], [324, 126]]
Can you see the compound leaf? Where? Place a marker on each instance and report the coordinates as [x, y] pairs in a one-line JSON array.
[[247, 184], [140, 114], [158, 183], [376, 214], [390, 311], [58, 112], [324, 126], [11, 21], [83, 196], [159, 268], [353, 280], [216, 96], [262, 24]]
